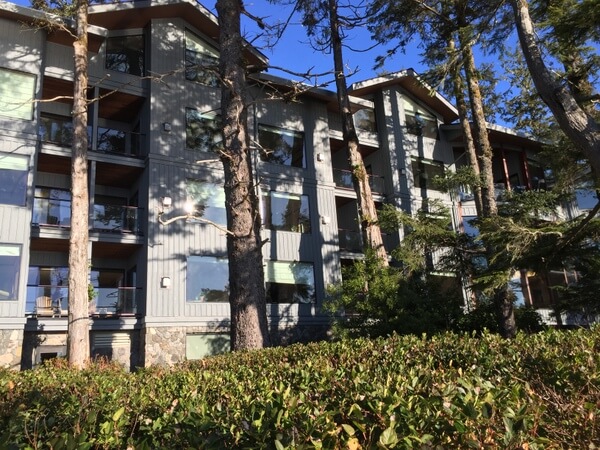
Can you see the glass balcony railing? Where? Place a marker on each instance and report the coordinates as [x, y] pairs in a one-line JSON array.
[[53, 301], [116, 218], [343, 179], [113, 218], [59, 131], [51, 212], [350, 240]]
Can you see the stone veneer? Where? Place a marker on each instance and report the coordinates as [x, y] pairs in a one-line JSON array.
[[166, 345], [11, 343]]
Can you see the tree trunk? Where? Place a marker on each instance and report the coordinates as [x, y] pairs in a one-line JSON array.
[[249, 327], [502, 299], [78, 340], [366, 206], [580, 127], [461, 105]]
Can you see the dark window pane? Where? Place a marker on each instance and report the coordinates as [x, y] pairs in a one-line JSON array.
[[13, 179], [125, 54], [280, 146], [364, 119], [421, 126], [202, 131], [207, 279], [201, 61], [424, 172]]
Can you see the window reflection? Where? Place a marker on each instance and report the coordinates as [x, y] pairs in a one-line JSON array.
[[207, 200], [290, 282], [202, 131], [207, 279], [125, 54], [13, 179], [281, 146], [286, 212], [201, 61]]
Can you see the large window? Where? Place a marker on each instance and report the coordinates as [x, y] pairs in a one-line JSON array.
[[16, 94], [364, 119], [290, 282], [202, 131], [286, 212], [52, 207], [419, 121], [281, 146], [201, 61], [206, 200], [198, 346], [207, 279], [125, 54], [424, 172], [13, 179], [10, 264]]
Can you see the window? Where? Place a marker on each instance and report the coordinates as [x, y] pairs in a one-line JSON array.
[[419, 121], [290, 282], [201, 61], [202, 131], [107, 284], [281, 146], [424, 172], [125, 54], [13, 179], [10, 264], [207, 279], [364, 120], [198, 346], [16, 94], [286, 212], [207, 200]]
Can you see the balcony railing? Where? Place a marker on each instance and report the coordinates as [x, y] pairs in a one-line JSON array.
[[107, 301], [350, 241], [116, 218], [343, 179], [113, 218], [51, 212], [59, 131]]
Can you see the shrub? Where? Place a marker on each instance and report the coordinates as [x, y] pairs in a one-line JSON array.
[[447, 391]]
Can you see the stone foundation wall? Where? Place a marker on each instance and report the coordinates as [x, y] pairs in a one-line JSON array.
[[11, 348]]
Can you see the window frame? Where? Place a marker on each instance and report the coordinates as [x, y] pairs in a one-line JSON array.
[[211, 142], [420, 122], [13, 293], [15, 92], [115, 66], [301, 226], [278, 155], [197, 60], [16, 187], [289, 276], [211, 198], [223, 296]]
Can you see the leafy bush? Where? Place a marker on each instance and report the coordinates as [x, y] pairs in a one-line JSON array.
[[447, 391]]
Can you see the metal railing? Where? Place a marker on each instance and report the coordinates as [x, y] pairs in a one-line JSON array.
[[116, 218]]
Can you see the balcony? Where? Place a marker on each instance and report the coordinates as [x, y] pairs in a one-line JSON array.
[[343, 179], [107, 302], [56, 212], [58, 130], [350, 241]]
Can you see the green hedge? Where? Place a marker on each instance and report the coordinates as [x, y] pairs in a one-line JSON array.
[[448, 391]]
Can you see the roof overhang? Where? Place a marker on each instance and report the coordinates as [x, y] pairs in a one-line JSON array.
[[291, 89], [410, 81], [55, 26], [499, 136], [137, 14]]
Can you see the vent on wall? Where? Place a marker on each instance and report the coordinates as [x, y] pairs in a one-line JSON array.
[[111, 340]]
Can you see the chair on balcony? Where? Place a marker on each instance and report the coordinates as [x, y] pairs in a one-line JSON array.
[[44, 307]]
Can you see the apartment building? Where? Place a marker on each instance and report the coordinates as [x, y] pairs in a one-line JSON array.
[[158, 270]]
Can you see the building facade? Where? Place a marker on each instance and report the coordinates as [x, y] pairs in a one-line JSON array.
[[159, 282]]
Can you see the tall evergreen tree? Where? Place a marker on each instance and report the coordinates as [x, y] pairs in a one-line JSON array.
[[249, 327]]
